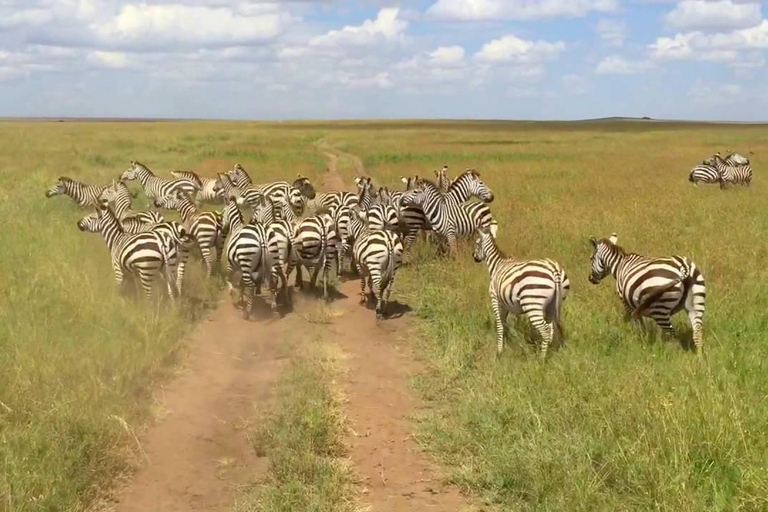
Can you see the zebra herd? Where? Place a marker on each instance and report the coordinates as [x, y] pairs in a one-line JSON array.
[[291, 226], [734, 169]]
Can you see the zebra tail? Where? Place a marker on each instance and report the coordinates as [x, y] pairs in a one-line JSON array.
[[263, 275], [653, 297], [555, 305]]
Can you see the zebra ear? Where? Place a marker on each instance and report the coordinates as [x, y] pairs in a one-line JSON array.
[[594, 242], [404, 179], [614, 238]]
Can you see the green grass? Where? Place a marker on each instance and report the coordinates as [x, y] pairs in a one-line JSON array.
[[77, 360], [303, 439], [617, 419]]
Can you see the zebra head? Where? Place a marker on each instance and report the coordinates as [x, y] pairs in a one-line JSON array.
[[239, 176], [384, 196], [305, 186], [470, 184], [131, 173], [410, 182], [413, 197], [296, 199], [603, 257], [483, 244], [230, 212], [90, 223], [59, 188], [168, 202]]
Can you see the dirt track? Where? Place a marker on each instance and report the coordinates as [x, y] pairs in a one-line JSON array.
[[197, 453]]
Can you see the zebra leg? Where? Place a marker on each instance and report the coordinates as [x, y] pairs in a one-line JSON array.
[[273, 295], [363, 279], [208, 259], [695, 316], [326, 271], [665, 322], [250, 288], [544, 329], [180, 268], [146, 279], [499, 317]]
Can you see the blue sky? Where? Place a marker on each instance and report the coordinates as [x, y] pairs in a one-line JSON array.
[[511, 59]]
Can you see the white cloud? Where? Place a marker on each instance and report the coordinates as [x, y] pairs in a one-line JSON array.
[[714, 95], [615, 65], [512, 49], [612, 32], [739, 48], [109, 59], [718, 15], [447, 56], [492, 10], [145, 25], [386, 27]]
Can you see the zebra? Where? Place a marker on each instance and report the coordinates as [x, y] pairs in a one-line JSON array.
[[704, 174], [144, 254], [378, 255], [737, 159], [382, 216], [205, 227], [447, 218], [282, 231], [315, 244], [275, 189], [443, 180], [342, 216], [250, 253], [257, 200], [207, 193], [327, 201], [536, 288], [741, 174], [225, 187], [653, 287], [119, 196], [84, 195], [156, 187]]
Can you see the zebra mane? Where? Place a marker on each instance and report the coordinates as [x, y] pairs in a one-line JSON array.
[[614, 246], [67, 179], [427, 183]]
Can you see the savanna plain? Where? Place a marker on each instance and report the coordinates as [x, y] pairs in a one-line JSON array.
[[617, 418]]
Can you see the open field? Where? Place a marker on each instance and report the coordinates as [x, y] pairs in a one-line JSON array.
[[615, 420]]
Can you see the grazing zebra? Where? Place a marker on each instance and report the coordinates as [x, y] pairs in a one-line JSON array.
[[120, 198], [704, 174], [249, 254], [315, 244], [378, 255], [536, 288], [155, 187], [207, 193], [84, 195], [741, 175], [653, 287], [443, 180], [144, 254], [205, 227]]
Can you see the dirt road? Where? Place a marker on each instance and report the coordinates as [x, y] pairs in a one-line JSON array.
[[197, 453]]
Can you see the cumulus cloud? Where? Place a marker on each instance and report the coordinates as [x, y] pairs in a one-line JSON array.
[[612, 32], [717, 15], [738, 48], [616, 65], [491, 10], [512, 49], [386, 27], [447, 56]]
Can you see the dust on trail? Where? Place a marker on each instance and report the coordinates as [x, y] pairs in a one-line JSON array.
[[395, 475]]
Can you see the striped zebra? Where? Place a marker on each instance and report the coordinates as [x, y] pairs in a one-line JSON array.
[[536, 288], [443, 180], [736, 159], [207, 193], [249, 255], [121, 200], [315, 245], [273, 190], [142, 254], [282, 231], [378, 255], [226, 188], [704, 174], [730, 175], [205, 227], [652, 287], [327, 201], [447, 218], [84, 195], [156, 187], [257, 201], [382, 216]]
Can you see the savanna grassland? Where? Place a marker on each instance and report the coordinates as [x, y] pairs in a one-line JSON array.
[[617, 419]]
